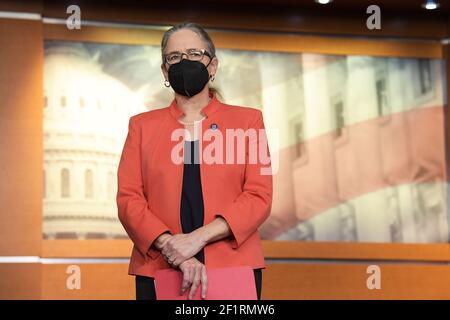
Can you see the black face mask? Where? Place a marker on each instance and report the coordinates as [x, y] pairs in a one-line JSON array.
[[188, 77]]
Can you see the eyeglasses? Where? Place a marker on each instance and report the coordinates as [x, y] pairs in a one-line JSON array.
[[191, 54]]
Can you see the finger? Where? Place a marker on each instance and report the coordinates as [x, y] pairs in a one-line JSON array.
[[173, 257], [170, 256], [195, 283], [186, 281], [169, 243], [177, 262], [191, 276], [167, 249], [204, 282]]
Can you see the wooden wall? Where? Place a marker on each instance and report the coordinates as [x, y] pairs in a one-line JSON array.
[[21, 97], [296, 270]]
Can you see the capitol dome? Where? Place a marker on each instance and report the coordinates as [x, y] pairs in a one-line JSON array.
[[86, 113]]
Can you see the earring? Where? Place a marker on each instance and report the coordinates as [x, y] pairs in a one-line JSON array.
[[167, 83], [212, 78]]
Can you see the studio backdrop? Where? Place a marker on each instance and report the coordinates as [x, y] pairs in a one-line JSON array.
[[359, 151]]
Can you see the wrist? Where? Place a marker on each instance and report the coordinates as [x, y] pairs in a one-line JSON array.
[[202, 235], [161, 240]]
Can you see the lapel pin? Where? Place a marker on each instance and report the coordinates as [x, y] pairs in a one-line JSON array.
[[214, 126]]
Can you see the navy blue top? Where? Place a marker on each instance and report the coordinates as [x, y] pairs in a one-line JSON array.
[[191, 208]]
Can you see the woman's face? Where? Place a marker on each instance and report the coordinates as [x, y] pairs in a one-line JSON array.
[[185, 39]]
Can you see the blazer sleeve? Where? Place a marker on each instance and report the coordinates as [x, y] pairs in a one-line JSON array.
[[142, 226], [252, 207]]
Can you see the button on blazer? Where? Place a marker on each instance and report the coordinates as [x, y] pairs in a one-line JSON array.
[[150, 183]]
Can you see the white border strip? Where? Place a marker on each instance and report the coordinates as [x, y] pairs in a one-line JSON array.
[[83, 260], [20, 15], [19, 259], [269, 261], [107, 24], [35, 259]]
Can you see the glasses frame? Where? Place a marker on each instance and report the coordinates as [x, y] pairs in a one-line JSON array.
[[203, 51]]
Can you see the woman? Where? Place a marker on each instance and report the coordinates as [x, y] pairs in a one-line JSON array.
[[197, 211]]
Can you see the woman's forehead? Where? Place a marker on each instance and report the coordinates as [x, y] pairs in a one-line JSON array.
[[184, 39]]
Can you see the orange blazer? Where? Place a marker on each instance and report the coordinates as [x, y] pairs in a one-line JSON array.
[[150, 183]]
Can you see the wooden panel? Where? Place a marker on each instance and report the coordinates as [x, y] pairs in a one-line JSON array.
[[399, 6], [104, 34], [280, 281], [272, 17], [340, 281], [21, 107], [364, 251], [86, 248], [257, 41], [446, 50], [272, 249], [20, 281], [98, 281], [34, 6], [328, 45], [399, 19]]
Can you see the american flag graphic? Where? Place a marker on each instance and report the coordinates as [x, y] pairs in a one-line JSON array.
[[360, 143], [363, 156]]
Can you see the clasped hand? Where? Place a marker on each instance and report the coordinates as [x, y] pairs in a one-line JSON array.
[[180, 250], [181, 247]]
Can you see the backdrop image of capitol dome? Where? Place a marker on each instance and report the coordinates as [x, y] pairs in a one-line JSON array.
[[361, 151], [86, 112]]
